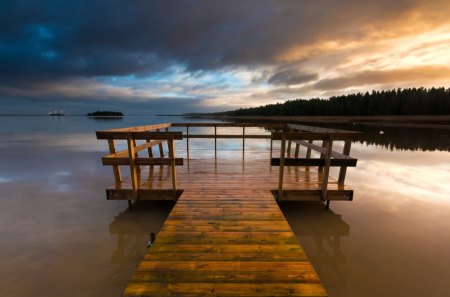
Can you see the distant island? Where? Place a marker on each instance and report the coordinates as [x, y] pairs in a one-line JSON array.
[[105, 113]]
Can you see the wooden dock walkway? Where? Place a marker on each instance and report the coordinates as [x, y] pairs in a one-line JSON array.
[[225, 242], [226, 235]]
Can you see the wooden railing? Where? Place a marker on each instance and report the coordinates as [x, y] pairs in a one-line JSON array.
[[216, 135], [305, 136], [147, 138], [152, 137]]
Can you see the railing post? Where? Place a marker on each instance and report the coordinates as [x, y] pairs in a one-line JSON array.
[[133, 171], [308, 151], [187, 141], [150, 150], [271, 145], [281, 173], [138, 167], [328, 143], [160, 146], [174, 168], [116, 169], [215, 142], [343, 170], [297, 149], [322, 155], [243, 141], [289, 146]]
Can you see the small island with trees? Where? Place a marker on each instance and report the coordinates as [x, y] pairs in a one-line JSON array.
[[105, 114]]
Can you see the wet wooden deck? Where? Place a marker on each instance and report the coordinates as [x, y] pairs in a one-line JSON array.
[[226, 241], [226, 235], [249, 173]]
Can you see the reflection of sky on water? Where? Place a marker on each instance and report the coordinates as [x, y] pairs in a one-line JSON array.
[[54, 214], [421, 175]]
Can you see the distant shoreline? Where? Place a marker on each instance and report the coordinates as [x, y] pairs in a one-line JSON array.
[[438, 121]]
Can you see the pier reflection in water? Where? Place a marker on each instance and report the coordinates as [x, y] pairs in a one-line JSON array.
[[132, 230], [320, 232]]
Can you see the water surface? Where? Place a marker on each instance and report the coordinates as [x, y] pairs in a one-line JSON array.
[[60, 236]]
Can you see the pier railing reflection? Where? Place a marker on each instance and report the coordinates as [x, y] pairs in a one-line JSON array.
[[320, 233]]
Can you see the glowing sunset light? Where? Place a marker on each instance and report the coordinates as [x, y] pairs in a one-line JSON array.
[[216, 55]]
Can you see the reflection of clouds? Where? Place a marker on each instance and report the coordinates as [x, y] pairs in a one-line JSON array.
[[413, 175], [61, 181], [76, 141], [4, 180]]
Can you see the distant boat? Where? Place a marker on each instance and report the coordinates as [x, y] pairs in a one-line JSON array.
[[56, 113]]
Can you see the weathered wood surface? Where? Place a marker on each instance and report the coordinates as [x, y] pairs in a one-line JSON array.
[[225, 241], [251, 173]]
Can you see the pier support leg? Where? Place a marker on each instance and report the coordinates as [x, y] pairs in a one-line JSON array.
[[130, 205], [327, 206]]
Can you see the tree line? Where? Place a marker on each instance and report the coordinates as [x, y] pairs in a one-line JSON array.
[[410, 101]]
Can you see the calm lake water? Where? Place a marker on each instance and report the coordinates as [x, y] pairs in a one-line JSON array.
[[59, 236]]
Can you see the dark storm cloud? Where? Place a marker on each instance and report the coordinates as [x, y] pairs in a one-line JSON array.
[[222, 52], [291, 77], [52, 39]]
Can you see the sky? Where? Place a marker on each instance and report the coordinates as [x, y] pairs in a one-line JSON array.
[[152, 57]]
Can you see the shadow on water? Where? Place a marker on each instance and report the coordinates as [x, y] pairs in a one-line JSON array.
[[133, 228], [320, 231]]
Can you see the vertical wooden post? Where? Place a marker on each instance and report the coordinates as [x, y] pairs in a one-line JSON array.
[[174, 168], [308, 151], [215, 142], [297, 149], [289, 147], [328, 146], [116, 169], [343, 170], [243, 141], [322, 155], [271, 147], [150, 150], [138, 168], [187, 141], [133, 171], [281, 173], [161, 149]]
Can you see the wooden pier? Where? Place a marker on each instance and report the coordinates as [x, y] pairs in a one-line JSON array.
[[226, 235]]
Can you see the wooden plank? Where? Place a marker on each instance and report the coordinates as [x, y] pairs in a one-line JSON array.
[[322, 150], [225, 248], [223, 289], [236, 277], [220, 249], [225, 257], [255, 125], [142, 194], [313, 162], [312, 136], [319, 129], [316, 195], [123, 133], [139, 135], [142, 161], [228, 136]]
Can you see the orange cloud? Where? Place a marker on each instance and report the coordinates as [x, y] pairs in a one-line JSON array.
[[421, 75]]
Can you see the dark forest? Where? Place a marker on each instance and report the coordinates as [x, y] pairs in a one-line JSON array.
[[412, 101]]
